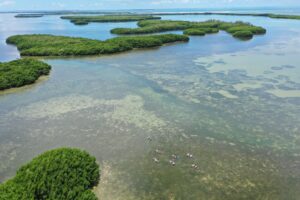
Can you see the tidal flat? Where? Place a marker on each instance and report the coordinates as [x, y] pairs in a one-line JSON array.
[[140, 111]]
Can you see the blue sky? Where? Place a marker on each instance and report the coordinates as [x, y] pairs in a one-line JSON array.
[[6, 5]]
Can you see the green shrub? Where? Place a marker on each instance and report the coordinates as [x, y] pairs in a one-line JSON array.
[[194, 31], [21, 72], [209, 30], [254, 30], [49, 45], [244, 35], [64, 173], [200, 31]]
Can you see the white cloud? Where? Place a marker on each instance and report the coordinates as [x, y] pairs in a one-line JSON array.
[[6, 3]]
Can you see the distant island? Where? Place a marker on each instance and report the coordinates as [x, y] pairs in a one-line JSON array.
[[75, 12], [50, 45], [270, 15], [241, 30], [64, 173], [28, 15], [21, 72], [83, 20]]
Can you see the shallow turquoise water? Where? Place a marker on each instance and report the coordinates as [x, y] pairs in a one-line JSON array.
[[234, 105]]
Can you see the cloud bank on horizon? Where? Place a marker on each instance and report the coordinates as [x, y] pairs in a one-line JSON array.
[[134, 4]]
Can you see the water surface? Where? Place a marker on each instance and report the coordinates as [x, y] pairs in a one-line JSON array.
[[233, 105]]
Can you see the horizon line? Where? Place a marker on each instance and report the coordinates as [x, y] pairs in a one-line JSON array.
[[132, 9]]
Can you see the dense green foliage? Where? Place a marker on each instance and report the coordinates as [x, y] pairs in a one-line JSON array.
[[211, 26], [244, 35], [50, 45], [28, 15], [65, 173], [83, 20], [200, 31], [210, 30], [194, 31], [21, 72], [251, 29]]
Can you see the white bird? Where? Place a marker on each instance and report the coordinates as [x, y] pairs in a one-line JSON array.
[[189, 155], [194, 166], [172, 162]]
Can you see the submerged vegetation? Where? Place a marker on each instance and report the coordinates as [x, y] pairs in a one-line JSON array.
[[83, 20], [191, 28], [50, 45], [241, 158], [64, 173], [21, 72]]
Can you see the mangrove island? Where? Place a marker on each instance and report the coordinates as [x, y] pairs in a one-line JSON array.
[[28, 15], [270, 15], [21, 72], [63, 173], [84, 20], [238, 29], [50, 45]]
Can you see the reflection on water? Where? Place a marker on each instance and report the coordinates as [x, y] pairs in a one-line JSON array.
[[234, 106]]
